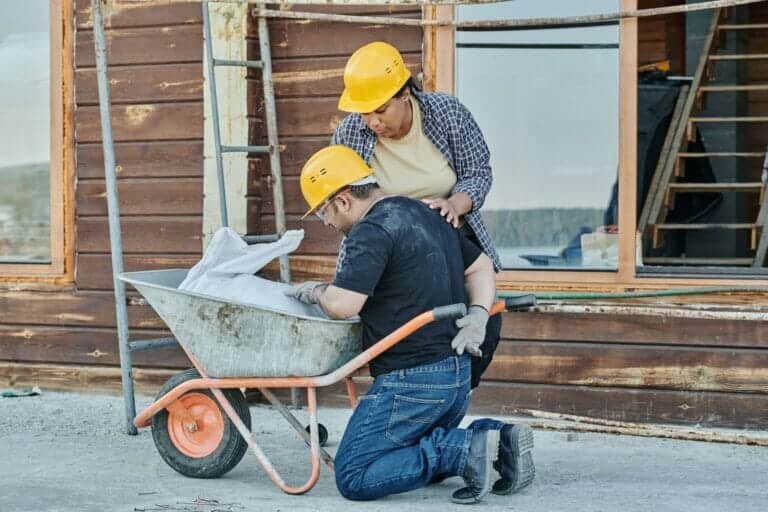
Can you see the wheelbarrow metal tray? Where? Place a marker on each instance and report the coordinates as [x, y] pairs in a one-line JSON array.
[[232, 339]]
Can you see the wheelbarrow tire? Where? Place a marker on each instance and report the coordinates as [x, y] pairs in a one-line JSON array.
[[322, 433], [213, 450]]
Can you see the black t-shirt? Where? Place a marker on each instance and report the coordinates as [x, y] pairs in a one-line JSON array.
[[407, 259]]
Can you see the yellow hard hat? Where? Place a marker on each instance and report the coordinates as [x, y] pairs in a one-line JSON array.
[[374, 73], [330, 170]]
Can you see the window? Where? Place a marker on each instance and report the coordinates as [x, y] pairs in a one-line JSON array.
[[32, 159], [548, 102]]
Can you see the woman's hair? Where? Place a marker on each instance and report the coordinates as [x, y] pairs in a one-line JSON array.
[[363, 191], [410, 84]]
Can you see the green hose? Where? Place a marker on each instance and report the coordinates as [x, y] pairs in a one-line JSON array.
[[670, 292]]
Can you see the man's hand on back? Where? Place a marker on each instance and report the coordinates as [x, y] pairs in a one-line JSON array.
[[471, 331], [307, 292]]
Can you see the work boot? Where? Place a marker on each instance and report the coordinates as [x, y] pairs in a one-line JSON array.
[[515, 462], [483, 451]]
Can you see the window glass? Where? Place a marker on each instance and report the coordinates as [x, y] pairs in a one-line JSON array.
[[25, 225], [547, 102]]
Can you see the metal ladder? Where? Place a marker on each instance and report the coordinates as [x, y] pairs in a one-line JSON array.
[[126, 347], [272, 148]]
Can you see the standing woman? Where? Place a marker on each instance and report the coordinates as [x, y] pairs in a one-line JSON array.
[[424, 146]]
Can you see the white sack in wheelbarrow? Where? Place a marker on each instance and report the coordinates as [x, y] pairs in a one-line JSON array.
[[227, 267]]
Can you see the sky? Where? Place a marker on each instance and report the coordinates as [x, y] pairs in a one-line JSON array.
[[24, 82]]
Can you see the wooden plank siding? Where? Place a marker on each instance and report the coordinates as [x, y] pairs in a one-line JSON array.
[[661, 38], [156, 81], [623, 367]]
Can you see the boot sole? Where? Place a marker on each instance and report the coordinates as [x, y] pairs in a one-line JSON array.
[[491, 454], [522, 448]]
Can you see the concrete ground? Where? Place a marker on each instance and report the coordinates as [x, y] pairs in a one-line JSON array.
[[67, 452]]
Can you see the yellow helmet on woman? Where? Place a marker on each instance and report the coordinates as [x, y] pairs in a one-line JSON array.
[[373, 75], [330, 170]]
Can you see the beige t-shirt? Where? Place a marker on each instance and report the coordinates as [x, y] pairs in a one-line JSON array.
[[412, 166]]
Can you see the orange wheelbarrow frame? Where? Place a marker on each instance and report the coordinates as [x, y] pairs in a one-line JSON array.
[[171, 400]]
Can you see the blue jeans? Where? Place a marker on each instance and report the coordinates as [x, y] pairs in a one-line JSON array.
[[403, 431]]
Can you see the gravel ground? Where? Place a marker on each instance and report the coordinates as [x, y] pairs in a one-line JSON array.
[[67, 452]]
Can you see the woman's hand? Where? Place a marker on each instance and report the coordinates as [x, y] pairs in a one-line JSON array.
[[452, 208]]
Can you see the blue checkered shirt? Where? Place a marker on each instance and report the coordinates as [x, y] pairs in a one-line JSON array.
[[452, 129]]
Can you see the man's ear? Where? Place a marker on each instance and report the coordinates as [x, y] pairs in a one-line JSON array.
[[344, 201]]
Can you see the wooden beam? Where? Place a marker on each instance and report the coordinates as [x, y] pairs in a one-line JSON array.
[[79, 377]]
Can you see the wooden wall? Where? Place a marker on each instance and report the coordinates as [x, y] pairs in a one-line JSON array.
[[634, 368], [155, 57], [661, 37]]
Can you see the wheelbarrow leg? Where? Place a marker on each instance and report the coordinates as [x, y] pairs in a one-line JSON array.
[[277, 404], [351, 391], [263, 460]]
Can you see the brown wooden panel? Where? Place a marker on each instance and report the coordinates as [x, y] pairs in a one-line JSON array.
[[297, 39], [177, 196], [94, 271], [732, 410], [143, 122], [304, 268], [688, 369], [71, 309], [296, 153], [299, 117], [145, 84], [143, 235], [294, 201], [80, 346], [149, 45], [638, 329], [318, 239], [80, 378], [135, 14], [143, 159], [312, 77]]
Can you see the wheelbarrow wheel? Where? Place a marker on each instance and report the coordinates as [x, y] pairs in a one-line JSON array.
[[204, 443], [322, 433]]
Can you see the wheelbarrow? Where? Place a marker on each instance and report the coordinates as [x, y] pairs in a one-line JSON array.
[[201, 424]]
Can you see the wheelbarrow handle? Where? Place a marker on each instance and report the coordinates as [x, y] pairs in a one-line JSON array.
[[520, 303], [448, 312]]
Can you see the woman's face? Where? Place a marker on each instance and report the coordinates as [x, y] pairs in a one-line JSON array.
[[393, 119]]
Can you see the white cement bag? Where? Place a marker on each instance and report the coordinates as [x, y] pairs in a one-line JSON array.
[[227, 267]]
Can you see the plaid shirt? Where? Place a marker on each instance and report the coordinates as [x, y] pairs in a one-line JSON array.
[[452, 129]]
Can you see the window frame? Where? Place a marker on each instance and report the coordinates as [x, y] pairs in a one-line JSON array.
[[62, 166], [439, 68]]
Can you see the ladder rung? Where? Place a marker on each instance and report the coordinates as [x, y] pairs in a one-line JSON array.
[[138, 346], [743, 56], [258, 239], [246, 149], [722, 154], [746, 26], [716, 187], [734, 88], [697, 227], [696, 261], [737, 119], [239, 63]]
